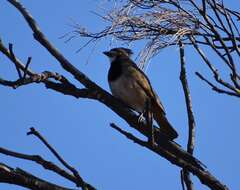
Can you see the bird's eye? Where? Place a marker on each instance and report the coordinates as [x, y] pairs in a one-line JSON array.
[[112, 54]]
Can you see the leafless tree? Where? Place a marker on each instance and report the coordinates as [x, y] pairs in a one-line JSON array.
[[206, 25]]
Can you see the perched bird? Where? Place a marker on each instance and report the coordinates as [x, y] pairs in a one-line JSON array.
[[129, 84]]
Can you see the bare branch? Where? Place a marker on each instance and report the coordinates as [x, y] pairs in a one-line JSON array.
[[16, 61], [213, 70], [191, 120], [14, 58], [215, 88], [45, 164], [205, 177], [26, 67], [64, 87], [34, 132], [36, 78], [188, 100], [22, 178], [40, 37]]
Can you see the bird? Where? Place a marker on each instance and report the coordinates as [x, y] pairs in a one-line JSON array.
[[129, 84]]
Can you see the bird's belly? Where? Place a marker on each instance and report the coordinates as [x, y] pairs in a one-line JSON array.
[[129, 92]]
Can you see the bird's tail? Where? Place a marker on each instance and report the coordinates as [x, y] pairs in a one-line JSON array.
[[165, 127]]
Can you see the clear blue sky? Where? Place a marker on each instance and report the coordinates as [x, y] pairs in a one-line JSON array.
[[79, 128]]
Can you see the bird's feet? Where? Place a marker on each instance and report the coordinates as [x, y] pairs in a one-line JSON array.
[[141, 118]]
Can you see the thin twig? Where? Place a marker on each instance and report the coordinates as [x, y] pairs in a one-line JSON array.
[[45, 164], [34, 132], [36, 78], [215, 88], [64, 87], [212, 68], [10, 47], [26, 67]]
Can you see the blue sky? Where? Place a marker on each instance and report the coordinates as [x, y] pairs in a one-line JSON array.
[[79, 128]]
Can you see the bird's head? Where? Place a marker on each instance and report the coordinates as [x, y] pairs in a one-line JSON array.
[[115, 53]]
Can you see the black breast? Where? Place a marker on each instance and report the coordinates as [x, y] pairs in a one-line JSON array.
[[115, 70]]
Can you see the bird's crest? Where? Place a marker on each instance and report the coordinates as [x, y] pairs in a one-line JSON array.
[[122, 50]]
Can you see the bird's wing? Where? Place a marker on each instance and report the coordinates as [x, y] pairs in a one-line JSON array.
[[145, 84], [159, 102]]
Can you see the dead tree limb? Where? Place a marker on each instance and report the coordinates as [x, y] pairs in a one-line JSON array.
[[80, 181], [191, 120], [22, 178], [74, 177], [44, 163]]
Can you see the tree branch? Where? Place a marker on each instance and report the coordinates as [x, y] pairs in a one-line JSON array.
[[213, 70], [45, 164], [205, 177], [22, 178], [36, 78], [81, 183], [191, 120], [40, 37], [215, 88], [14, 58]]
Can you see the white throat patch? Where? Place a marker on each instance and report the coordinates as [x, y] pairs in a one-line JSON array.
[[111, 59]]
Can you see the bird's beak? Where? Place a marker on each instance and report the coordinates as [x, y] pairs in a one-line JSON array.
[[107, 53]]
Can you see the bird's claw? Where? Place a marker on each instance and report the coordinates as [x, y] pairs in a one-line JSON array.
[[141, 118]]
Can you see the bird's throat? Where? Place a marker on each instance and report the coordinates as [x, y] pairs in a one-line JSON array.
[[115, 71]]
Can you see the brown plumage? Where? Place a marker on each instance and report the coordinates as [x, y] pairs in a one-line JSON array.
[[128, 83]]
